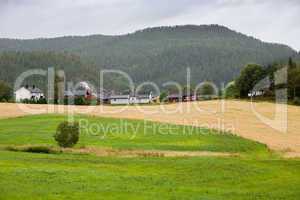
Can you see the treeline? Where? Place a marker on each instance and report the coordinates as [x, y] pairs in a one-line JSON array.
[[260, 81], [6, 93]]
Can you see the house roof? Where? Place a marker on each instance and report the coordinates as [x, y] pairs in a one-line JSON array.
[[68, 93], [33, 89], [119, 97], [143, 96], [174, 96]]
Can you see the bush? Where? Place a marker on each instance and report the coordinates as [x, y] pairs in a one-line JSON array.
[[296, 101], [42, 100], [5, 92], [67, 134], [81, 101], [38, 149], [231, 91], [163, 97], [32, 149]]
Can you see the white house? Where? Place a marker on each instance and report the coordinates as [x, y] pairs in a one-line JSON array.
[[29, 93], [256, 93], [128, 99], [82, 89], [119, 99]]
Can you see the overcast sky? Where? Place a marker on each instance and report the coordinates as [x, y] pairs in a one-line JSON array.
[[269, 20]]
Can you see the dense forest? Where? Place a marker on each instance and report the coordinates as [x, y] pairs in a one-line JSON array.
[[212, 52]]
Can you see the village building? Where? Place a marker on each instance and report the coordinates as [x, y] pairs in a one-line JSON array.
[[82, 90], [129, 99], [28, 93], [172, 98]]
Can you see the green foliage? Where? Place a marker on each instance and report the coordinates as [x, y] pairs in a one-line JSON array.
[[12, 64], [160, 54], [294, 81], [231, 91], [31, 149], [5, 91], [296, 101], [163, 96], [67, 134], [291, 63], [207, 89], [248, 78], [41, 100], [81, 101], [253, 73]]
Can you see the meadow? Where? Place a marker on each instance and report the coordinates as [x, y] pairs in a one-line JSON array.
[[256, 173]]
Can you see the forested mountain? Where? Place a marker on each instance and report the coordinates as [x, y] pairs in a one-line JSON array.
[[160, 54], [297, 57], [12, 64]]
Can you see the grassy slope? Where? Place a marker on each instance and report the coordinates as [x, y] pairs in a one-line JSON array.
[[66, 176], [123, 134], [71, 176]]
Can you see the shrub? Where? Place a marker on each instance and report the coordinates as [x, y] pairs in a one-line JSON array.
[[163, 97], [32, 149], [81, 101], [38, 149], [67, 134], [5, 92], [296, 101], [231, 91]]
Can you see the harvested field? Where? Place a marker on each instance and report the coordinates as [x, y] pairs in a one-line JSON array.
[[235, 116]]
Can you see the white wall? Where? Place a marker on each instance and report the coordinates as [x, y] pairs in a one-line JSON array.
[[131, 100], [22, 94], [143, 101], [119, 101], [37, 96]]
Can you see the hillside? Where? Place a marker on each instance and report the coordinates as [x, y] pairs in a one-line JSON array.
[[159, 54]]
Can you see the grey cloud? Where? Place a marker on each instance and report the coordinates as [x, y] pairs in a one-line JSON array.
[[269, 20]]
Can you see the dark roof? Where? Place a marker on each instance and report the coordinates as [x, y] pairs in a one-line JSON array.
[[34, 90], [174, 96]]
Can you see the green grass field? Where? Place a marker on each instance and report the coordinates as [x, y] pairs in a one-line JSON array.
[[255, 174]]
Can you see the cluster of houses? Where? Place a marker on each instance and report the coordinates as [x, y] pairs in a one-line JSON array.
[[33, 93], [103, 97], [28, 93]]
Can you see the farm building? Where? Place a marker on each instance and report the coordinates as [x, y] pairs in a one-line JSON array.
[[128, 99], [181, 98], [174, 98], [28, 93], [82, 90]]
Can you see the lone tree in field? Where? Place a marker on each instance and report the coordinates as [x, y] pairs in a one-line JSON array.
[[67, 134], [248, 78]]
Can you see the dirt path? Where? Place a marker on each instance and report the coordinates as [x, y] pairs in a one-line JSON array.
[[147, 153], [104, 152], [235, 116]]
